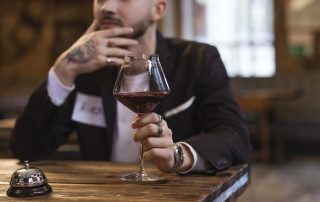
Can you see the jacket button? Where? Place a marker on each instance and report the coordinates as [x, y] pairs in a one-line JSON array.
[[221, 163]]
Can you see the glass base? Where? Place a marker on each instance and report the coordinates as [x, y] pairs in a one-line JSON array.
[[143, 177]]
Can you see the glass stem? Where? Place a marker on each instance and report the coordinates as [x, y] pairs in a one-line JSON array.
[[141, 169]]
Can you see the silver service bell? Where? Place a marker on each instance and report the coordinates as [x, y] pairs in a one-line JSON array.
[[28, 181]]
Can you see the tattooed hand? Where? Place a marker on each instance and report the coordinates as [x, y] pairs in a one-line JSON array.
[[91, 52]]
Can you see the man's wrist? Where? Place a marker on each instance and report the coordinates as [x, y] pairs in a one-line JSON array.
[[56, 90], [183, 158], [65, 77]]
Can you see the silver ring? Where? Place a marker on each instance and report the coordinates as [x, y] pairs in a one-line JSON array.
[[160, 130], [109, 60], [160, 119]]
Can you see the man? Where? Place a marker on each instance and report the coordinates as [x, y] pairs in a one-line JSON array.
[[201, 113]]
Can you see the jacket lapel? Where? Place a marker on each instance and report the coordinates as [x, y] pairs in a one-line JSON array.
[[107, 79], [165, 56], [167, 63]]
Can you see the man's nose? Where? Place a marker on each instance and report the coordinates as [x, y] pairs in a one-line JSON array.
[[110, 6]]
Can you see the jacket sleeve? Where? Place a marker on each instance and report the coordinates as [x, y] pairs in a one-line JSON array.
[[41, 127], [224, 140]]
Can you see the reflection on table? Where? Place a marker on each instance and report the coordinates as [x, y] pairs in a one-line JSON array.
[[99, 181]]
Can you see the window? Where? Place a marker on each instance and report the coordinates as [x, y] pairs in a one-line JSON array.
[[242, 30]]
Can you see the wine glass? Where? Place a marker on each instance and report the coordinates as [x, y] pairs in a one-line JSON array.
[[141, 86]]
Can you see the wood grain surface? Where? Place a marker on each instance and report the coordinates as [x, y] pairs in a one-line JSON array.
[[99, 181]]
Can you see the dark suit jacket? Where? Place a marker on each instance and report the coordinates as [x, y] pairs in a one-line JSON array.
[[207, 117]]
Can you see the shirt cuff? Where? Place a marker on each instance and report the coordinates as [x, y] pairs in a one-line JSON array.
[[200, 164], [57, 91]]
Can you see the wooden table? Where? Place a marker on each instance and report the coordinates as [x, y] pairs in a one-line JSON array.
[[262, 101], [99, 181], [7, 124]]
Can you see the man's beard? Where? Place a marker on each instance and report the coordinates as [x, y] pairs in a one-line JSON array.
[[139, 28]]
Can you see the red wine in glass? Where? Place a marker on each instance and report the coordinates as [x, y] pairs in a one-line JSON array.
[[141, 102], [141, 86]]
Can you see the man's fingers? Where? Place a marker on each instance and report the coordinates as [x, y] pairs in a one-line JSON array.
[[114, 61], [158, 153], [145, 119], [162, 158], [120, 42], [154, 142], [115, 52], [92, 27], [151, 130]]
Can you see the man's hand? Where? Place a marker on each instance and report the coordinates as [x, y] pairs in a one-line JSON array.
[[94, 50], [158, 147]]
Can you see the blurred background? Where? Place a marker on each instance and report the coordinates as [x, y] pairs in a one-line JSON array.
[[271, 49]]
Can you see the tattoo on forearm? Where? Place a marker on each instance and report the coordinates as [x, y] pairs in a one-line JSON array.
[[82, 55]]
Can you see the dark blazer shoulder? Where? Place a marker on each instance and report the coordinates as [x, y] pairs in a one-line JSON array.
[[195, 57], [191, 48]]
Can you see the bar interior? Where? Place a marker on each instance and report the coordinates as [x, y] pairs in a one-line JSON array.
[[271, 52]]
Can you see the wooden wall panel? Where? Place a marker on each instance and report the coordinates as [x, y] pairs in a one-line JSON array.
[[33, 33]]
